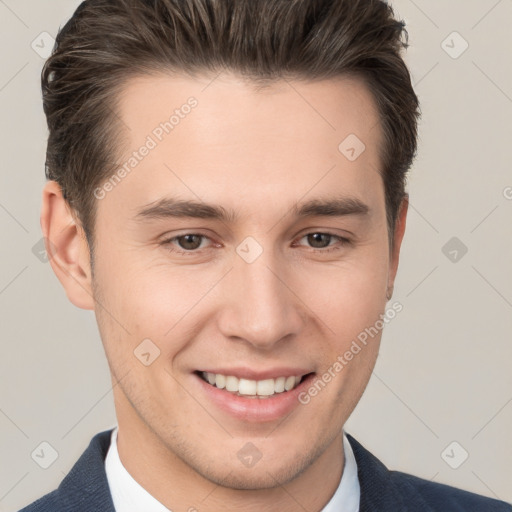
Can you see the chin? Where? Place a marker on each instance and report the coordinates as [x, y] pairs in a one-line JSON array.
[[263, 474], [264, 477]]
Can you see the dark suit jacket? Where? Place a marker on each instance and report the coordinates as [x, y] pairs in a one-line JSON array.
[[85, 488]]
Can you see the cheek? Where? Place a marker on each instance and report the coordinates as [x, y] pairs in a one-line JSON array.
[[143, 301], [145, 294], [347, 295], [349, 298]]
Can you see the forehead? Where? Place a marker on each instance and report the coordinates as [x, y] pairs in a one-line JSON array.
[[227, 102], [221, 138]]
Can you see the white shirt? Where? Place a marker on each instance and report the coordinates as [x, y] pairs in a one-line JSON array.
[[129, 496]]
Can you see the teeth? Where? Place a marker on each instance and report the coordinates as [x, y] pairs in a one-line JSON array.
[[252, 388], [220, 381], [279, 384], [289, 383], [247, 387], [232, 384], [266, 387]]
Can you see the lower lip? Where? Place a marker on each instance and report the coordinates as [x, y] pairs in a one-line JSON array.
[[255, 409]]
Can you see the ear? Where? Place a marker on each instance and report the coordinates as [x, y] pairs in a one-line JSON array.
[[397, 243], [66, 246]]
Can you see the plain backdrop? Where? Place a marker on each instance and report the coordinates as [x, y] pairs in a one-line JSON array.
[[442, 386]]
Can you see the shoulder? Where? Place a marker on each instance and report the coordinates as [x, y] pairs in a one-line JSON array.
[[47, 503], [382, 489], [85, 487], [444, 497]]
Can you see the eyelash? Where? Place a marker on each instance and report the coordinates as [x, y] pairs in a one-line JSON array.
[[341, 240]]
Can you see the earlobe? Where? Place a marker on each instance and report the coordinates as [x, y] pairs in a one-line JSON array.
[[397, 243], [66, 246]]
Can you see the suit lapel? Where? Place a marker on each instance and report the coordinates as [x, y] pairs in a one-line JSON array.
[[86, 485], [383, 490]]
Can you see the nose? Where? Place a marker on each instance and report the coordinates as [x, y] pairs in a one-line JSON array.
[[258, 303]]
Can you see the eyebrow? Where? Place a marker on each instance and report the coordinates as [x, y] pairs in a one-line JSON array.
[[169, 207]]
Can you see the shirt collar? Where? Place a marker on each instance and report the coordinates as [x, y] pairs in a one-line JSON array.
[[128, 494]]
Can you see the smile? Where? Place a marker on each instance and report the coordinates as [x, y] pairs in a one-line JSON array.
[[251, 388]]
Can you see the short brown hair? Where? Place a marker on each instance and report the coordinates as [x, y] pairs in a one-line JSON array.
[[107, 42]]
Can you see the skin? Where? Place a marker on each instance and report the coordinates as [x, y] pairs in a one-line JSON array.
[[257, 153]]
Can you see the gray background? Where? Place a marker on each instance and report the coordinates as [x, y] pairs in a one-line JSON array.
[[444, 373]]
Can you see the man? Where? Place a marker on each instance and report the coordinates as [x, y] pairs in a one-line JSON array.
[[226, 191]]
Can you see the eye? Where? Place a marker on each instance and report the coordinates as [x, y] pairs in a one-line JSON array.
[[190, 243], [320, 242], [183, 244]]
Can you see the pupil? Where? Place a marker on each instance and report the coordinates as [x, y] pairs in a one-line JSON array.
[[317, 237], [189, 241]]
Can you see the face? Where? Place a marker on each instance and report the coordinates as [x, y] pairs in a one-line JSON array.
[[280, 261]]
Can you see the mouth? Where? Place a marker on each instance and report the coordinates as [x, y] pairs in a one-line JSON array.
[[254, 396], [249, 388]]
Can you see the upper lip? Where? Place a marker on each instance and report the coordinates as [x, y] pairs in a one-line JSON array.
[[252, 374]]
